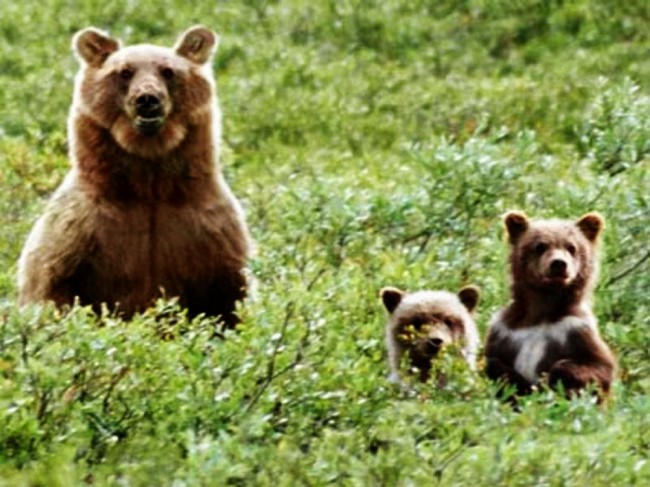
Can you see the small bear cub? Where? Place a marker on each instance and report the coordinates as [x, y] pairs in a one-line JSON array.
[[549, 330], [421, 323]]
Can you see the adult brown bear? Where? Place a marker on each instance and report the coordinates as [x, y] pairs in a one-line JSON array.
[[145, 210]]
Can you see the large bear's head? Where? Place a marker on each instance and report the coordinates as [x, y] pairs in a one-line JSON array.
[[553, 255], [148, 97]]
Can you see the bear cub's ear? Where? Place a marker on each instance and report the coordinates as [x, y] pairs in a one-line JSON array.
[[93, 46], [197, 44], [469, 296], [516, 223], [391, 296], [591, 225]]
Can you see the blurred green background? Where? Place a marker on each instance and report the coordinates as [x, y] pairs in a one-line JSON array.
[[371, 143]]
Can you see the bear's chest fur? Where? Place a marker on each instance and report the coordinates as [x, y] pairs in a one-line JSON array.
[[144, 251], [533, 350]]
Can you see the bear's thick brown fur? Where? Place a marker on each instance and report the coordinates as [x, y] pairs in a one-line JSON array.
[[145, 211], [422, 323], [549, 330]]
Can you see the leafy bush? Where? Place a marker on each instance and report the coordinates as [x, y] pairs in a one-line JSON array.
[[616, 133], [372, 144]]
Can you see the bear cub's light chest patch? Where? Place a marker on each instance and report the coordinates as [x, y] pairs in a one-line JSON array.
[[533, 342]]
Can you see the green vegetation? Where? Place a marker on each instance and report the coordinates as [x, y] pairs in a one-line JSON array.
[[372, 143]]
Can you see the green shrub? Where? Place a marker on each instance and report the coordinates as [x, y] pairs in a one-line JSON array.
[[372, 144]]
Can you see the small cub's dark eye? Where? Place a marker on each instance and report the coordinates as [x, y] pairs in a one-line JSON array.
[[571, 249], [416, 323], [448, 321], [126, 74], [540, 248], [167, 73]]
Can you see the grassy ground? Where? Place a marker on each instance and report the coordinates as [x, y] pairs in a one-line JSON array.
[[372, 143]]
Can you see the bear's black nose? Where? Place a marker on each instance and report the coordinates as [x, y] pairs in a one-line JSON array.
[[558, 266], [433, 345], [148, 106]]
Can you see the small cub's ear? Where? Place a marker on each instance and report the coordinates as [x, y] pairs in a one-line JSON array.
[[93, 46], [391, 296], [469, 296], [591, 225], [516, 223], [197, 44]]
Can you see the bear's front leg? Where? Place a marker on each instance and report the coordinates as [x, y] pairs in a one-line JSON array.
[[574, 376], [53, 258]]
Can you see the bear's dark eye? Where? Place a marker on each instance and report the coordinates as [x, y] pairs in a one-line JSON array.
[[540, 248], [416, 323], [167, 73], [126, 74], [448, 321], [571, 249]]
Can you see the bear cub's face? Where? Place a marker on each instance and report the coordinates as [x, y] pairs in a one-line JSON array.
[[552, 254], [424, 322], [145, 95]]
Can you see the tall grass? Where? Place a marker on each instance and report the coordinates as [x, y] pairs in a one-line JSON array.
[[372, 143]]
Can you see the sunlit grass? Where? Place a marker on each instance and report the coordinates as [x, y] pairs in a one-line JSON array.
[[372, 144]]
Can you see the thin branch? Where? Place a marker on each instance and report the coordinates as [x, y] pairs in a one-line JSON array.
[[440, 469], [273, 374], [629, 270], [315, 279], [270, 368], [115, 379]]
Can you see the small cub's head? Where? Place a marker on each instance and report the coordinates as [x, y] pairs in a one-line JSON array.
[[147, 96], [553, 254], [423, 322]]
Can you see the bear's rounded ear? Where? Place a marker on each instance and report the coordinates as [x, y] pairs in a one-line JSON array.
[[469, 296], [391, 296], [197, 44], [93, 46], [591, 225], [516, 223]]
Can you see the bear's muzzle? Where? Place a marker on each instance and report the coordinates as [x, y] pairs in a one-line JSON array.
[[150, 114]]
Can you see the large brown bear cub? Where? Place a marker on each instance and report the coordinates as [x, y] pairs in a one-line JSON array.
[[145, 211], [549, 330]]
